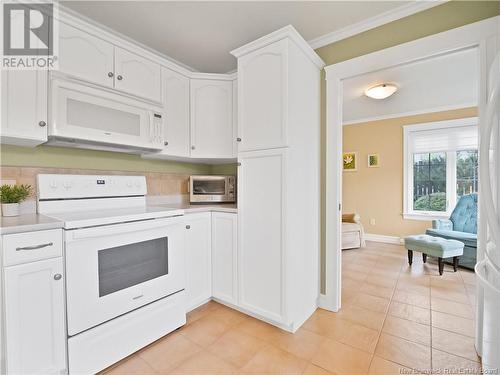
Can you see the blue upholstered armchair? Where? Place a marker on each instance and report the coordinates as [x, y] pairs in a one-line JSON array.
[[461, 226]]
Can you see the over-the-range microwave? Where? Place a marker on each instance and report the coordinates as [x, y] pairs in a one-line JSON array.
[[204, 189], [85, 116]]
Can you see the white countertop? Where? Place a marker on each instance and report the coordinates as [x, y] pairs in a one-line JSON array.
[[203, 207], [81, 219], [28, 223], [36, 222]]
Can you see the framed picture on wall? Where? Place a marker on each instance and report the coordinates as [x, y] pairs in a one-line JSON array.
[[373, 160], [349, 161]]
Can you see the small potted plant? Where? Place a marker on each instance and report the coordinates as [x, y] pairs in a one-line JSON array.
[[11, 196]]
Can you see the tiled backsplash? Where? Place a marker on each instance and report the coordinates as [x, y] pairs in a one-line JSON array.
[[158, 183], [162, 187]]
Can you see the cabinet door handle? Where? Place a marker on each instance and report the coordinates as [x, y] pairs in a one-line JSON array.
[[57, 276], [42, 123], [192, 147], [119, 77], [188, 226], [110, 74], [35, 247], [165, 143], [238, 139]]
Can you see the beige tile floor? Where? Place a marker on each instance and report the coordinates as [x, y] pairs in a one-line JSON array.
[[395, 319]]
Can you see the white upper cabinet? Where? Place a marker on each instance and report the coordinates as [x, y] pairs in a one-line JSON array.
[[236, 139], [24, 107], [211, 119], [85, 56], [263, 97], [95, 60], [175, 97], [136, 75]]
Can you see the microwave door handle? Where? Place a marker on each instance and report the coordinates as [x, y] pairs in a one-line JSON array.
[[158, 134], [155, 132], [150, 124]]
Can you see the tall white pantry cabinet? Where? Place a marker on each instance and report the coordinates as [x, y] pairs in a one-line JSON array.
[[279, 177]]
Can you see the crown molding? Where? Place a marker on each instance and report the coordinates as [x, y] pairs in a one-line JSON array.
[[285, 32], [373, 22], [214, 76], [451, 107]]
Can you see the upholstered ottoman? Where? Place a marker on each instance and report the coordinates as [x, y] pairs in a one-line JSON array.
[[434, 246]]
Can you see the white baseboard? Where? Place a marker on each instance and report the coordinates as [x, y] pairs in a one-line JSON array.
[[383, 238]]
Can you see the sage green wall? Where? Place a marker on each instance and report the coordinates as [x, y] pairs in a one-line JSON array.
[[432, 21], [229, 169], [60, 157]]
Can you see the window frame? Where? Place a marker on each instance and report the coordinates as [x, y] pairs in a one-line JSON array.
[[451, 173]]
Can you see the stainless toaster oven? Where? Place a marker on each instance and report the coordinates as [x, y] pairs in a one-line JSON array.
[[212, 189]]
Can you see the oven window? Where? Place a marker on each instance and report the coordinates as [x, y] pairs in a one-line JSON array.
[[209, 187], [125, 266]]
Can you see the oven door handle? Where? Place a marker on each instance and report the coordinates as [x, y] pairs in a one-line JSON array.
[[112, 230]]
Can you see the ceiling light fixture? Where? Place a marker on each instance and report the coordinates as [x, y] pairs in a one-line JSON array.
[[381, 91]]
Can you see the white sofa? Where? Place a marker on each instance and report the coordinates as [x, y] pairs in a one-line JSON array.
[[352, 232]]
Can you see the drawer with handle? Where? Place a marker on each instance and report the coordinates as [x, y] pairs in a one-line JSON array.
[[31, 246]]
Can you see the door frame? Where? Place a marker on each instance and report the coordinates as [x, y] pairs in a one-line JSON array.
[[474, 35]]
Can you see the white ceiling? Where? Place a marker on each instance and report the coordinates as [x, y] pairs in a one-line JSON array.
[[431, 85], [201, 34]]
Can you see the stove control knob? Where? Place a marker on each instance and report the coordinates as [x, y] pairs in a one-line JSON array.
[[137, 184], [129, 184], [53, 184], [67, 184]]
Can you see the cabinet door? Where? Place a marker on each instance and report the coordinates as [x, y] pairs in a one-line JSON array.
[[224, 257], [262, 97], [235, 119], [34, 296], [176, 103], [24, 107], [211, 119], [84, 56], [198, 259], [137, 75], [261, 232]]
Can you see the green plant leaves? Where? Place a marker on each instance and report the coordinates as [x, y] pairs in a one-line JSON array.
[[14, 193]]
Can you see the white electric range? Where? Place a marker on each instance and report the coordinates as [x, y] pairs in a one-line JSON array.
[[124, 264]]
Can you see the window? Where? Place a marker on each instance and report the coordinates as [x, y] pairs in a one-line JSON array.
[[441, 165], [429, 182], [467, 172]]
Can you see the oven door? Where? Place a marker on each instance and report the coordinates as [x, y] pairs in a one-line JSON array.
[[113, 269]]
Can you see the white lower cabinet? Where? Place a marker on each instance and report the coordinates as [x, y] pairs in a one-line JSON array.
[[261, 251], [198, 259], [224, 257], [34, 318]]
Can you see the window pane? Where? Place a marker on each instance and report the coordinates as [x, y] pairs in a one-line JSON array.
[[467, 172], [429, 182]]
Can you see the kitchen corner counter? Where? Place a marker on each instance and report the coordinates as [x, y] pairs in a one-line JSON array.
[[194, 208], [28, 223]]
